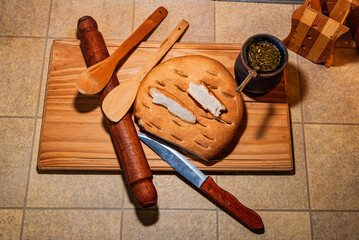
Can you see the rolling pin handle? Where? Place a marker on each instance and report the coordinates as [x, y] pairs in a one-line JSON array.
[[124, 135], [145, 192], [86, 23]]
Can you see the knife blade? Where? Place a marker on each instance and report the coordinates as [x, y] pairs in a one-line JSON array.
[[177, 147], [223, 199]]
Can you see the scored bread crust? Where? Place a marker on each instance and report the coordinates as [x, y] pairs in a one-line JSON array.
[[209, 136]]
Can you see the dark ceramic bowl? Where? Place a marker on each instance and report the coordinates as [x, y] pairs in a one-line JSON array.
[[264, 81]]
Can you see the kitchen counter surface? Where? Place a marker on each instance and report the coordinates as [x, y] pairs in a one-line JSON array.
[[318, 200]]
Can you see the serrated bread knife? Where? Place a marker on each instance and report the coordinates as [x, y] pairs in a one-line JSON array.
[[223, 199]]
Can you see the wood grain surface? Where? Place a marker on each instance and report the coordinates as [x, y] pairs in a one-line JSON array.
[[313, 35], [74, 134]]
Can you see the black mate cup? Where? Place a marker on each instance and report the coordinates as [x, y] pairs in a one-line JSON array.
[[261, 82]]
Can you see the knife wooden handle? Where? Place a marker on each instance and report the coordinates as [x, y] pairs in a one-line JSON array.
[[231, 205], [124, 135]]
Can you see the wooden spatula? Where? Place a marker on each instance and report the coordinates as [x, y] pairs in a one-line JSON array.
[[95, 78], [120, 99]]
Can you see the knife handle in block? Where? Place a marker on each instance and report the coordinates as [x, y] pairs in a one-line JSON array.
[[124, 135], [231, 205]]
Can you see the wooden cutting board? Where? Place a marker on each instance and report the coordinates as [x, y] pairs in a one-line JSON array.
[[74, 134]]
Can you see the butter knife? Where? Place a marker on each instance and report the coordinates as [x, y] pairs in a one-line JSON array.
[[223, 199]]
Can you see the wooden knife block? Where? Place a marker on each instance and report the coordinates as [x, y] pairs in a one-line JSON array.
[[313, 34]]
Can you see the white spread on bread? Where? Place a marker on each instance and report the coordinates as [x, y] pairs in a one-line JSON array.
[[209, 135], [173, 105], [204, 96]]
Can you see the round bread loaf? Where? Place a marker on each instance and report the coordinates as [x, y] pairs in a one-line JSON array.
[[165, 94]]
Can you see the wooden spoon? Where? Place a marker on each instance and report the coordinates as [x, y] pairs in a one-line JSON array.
[[120, 99], [96, 77]]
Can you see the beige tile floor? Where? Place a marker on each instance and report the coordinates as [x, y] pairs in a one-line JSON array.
[[320, 200]]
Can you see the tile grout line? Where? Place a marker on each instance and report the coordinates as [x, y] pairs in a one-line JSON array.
[[304, 210], [11, 208], [218, 209], [73, 38], [35, 122], [214, 24], [307, 177], [63, 38], [122, 210], [174, 209], [26, 117], [305, 154], [76, 208], [29, 169], [133, 15], [20, 36], [331, 123], [339, 210]]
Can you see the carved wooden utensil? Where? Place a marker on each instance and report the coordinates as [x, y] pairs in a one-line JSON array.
[[124, 135], [313, 34], [119, 100], [95, 78]]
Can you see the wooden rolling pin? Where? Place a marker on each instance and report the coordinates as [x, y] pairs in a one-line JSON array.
[[124, 136]]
